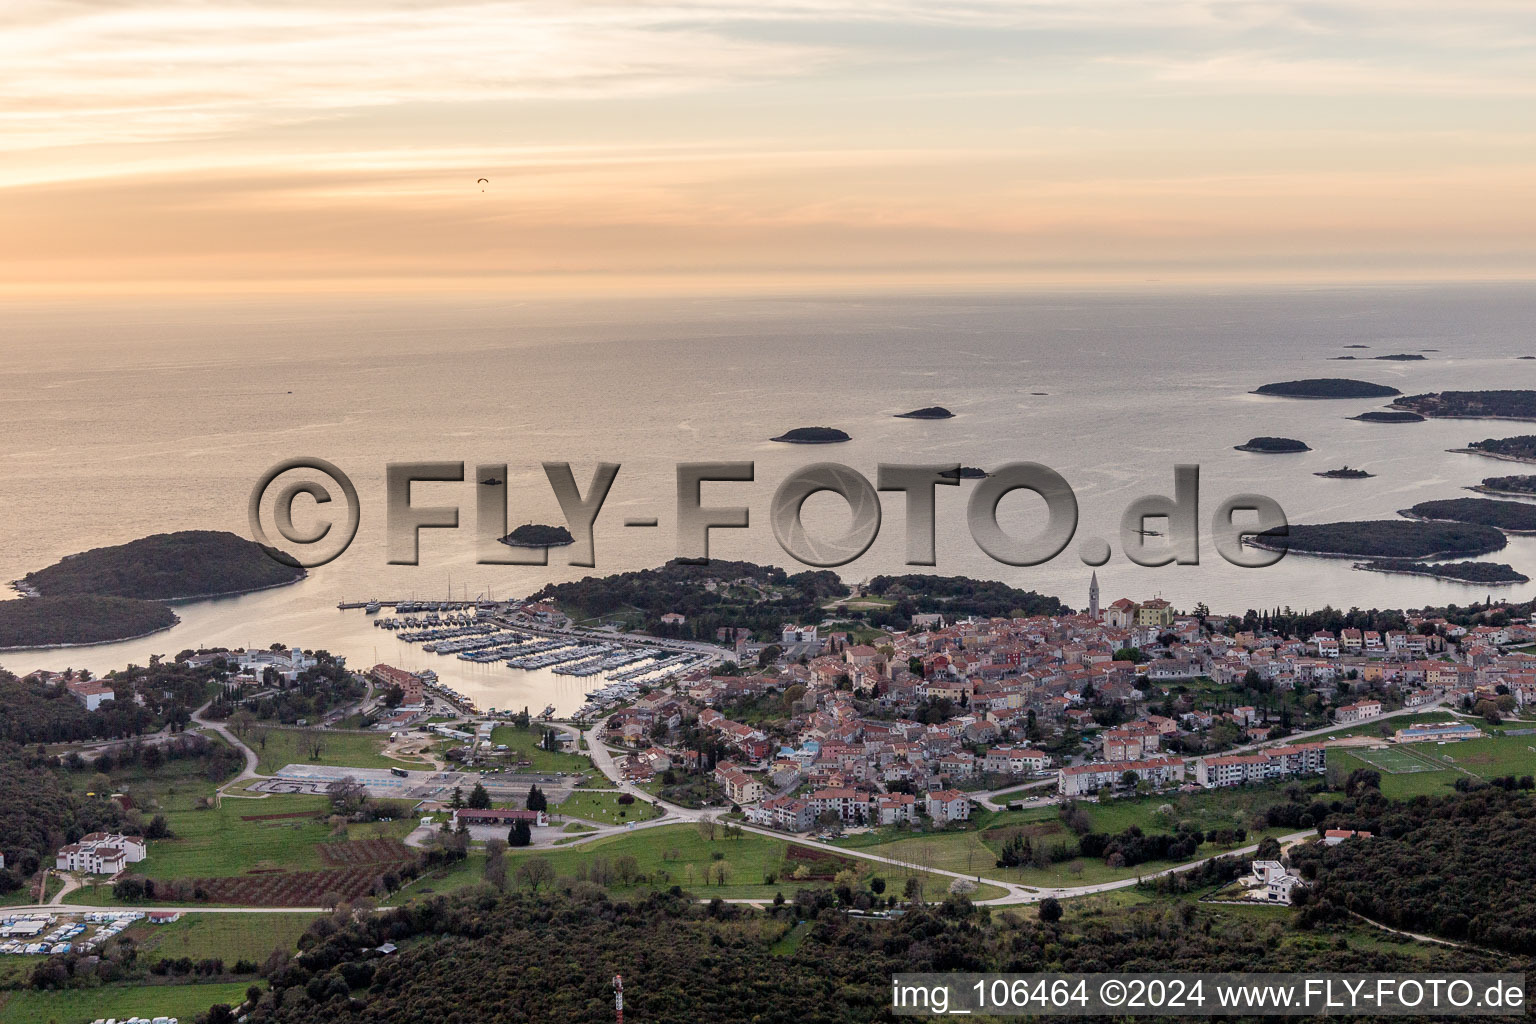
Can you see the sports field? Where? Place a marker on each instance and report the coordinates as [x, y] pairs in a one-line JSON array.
[[1394, 760]]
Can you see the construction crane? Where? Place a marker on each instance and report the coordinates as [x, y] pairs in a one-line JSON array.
[[618, 997]]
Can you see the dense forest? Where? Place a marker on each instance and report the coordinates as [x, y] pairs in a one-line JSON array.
[[79, 619], [1515, 405], [168, 566], [1386, 538], [526, 957], [38, 813], [1505, 515], [1465, 572], [1461, 866], [644, 597], [958, 596]]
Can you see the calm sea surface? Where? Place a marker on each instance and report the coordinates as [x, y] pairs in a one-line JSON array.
[[131, 419]]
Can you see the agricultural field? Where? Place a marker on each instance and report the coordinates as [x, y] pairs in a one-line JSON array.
[[81, 1006], [278, 747], [230, 937], [681, 855], [603, 807], [523, 745]]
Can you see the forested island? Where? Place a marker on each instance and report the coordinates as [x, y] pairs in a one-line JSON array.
[[1399, 357], [1272, 445], [965, 473], [169, 567], [1494, 405], [932, 412], [1519, 485], [1345, 473], [1385, 538], [812, 435], [1514, 516], [1327, 387], [1456, 572], [1389, 416], [537, 535], [1512, 449], [70, 619]]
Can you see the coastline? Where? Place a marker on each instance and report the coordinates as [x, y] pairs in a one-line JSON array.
[[1367, 567], [1492, 455], [1458, 522], [1431, 557], [96, 643]]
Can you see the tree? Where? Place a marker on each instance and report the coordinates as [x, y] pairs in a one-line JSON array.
[[1050, 910], [912, 892], [496, 864], [537, 801], [457, 800], [535, 871], [479, 798], [521, 834]]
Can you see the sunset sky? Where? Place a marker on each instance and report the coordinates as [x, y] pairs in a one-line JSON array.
[[156, 145]]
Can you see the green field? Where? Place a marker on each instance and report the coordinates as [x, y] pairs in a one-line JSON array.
[[523, 745], [602, 807], [1395, 760], [679, 855], [231, 937], [173, 786], [1400, 786], [81, 1006], [219, 842], [280, 747]]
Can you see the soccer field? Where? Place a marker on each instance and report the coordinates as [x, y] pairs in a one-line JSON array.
[[1394, 761]]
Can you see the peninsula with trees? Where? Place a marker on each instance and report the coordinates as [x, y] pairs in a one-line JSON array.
[[1510, 516], [1491, 573], [1385, 538], [116, 593], [1481, 405], [1511, 449], [1521, 486]]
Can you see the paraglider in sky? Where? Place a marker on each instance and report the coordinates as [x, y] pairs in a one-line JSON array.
[[483, 181]]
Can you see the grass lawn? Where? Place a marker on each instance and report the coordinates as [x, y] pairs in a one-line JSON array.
[[338, 749], [231, 937], [523, 745], [219, 841], [173, 786], [1489, 757], [603, 808], [81, 1006]]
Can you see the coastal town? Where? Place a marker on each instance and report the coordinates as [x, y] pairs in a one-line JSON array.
[[836, 741]]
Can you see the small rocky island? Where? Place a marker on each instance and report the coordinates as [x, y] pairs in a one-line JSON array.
[[1345, 474], [812, 435], [964, 473], [1272, 445], [1326, 387], [1402, 357], [1486, 405], [932, 412], [1490, 573], [536, 535], [1389, 416]]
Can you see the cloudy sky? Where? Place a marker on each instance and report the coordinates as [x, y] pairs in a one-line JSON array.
[[174, 145]]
